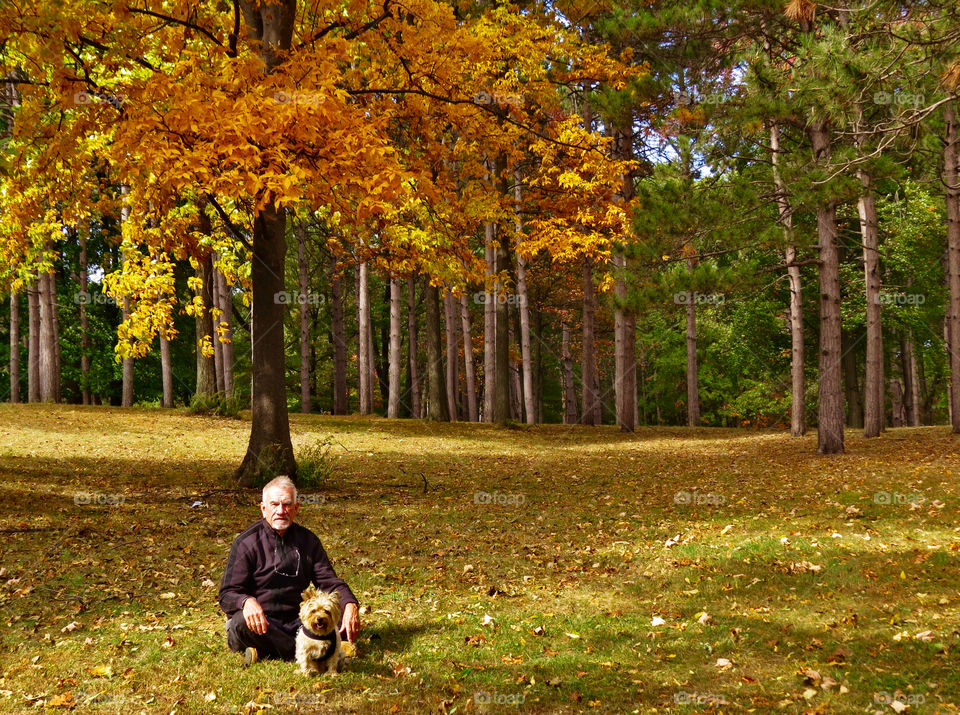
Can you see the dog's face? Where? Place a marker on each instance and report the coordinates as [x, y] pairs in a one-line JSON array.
[[320, 612]]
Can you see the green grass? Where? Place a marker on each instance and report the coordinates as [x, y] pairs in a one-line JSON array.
[[528, 564]]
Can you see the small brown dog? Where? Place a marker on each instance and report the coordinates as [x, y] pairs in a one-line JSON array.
[[318, 640]]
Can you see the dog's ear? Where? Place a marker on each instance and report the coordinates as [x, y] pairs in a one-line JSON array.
[[335, 597], [309, 593]]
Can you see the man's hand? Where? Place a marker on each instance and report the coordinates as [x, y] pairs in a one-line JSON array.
[[254, 616], [350, 623]]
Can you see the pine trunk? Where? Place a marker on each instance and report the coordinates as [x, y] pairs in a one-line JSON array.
[[952, 198], [523, 305], [491, 290], [437, 406], [126, 399], [851, 382], [214, 321], [395, 357], [453, 356], [415, 410], [86, 395], [874, 394], [14, 348], [501, 402], [830, 412], [206, 366], [302, 303], [591, 397], [693, 393], [48, 338], [226, 319], [364, 352], [339, 332], [166, 373], [33, 342], [569, 393], [468, 369], [910, 381]]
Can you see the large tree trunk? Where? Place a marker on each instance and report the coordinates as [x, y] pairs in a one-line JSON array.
[[538, 367], [55, 317], [896, 403], [468, 370], [625, 322], [830, 398], [437, 406], [339, 333], [851, 382], [798, 421], [226, 320], [166, 373], [453, 356], [14, 348], [693, 391], [48, 337], [415, 410], [874, 394], [569, 394], [33, 342], [206, 365], [910, 382], [490, 292], [302, 304], [364, 347], [396, 344], [270, 451], [529, 409], [86, 395], [952, 198], [501, 401], [591, 395]]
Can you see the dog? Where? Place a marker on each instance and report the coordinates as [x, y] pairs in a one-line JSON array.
[[318, 639]]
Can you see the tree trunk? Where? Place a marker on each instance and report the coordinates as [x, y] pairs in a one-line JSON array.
[[873, 407], [798, 421], [364, 352], [453, 357], [437, 408], [214, 322], [206, 365], [910, 382], [952, 198], [302, 303], [226, 320], [625, 322], [415, 410], [396, 344], [166, 373], [851, 383], [491, 291], [896, 402], [501, 401], [48, 363], [538, 367], [693, 392], [87, 396], [55, 317], [591, 397], [468, 371], [830, 398], [14, 348], [33, 342], [569, 393], [338, 330], [270, 451], [529, 410], [126, 399]]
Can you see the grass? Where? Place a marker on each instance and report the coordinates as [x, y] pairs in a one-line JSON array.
[[540, 570]]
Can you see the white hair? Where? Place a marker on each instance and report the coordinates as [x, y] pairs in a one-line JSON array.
[[281, 482]]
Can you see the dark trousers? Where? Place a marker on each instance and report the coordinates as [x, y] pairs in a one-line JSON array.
[[280, 640]]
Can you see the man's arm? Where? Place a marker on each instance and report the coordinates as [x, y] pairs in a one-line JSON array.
[[234, 588]]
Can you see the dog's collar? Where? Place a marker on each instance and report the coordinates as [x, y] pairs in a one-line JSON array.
[[331, 636]]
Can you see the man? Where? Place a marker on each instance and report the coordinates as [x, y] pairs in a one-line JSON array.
[[270, 564]]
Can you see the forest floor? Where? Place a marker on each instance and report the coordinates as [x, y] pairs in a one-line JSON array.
[[544, 569]]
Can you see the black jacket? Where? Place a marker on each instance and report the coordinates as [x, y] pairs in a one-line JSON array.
[[275, 569]]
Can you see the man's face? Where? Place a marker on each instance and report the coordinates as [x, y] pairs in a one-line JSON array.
[[280, 508]]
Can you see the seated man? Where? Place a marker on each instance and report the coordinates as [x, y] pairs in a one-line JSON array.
[[270, 564]]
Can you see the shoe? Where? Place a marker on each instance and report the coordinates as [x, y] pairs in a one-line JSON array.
[[250, 656]]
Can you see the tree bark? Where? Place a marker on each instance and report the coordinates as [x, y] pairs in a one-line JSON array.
[[364, 352], [491, 291], [453, 356], [529, 409], [591, 396], [910, 381], [302, 303], [33, 342], [214, 322], [538, 367], [873, 407], [625, 322], [896, 402], [14, 348], [48, 338], [206, 366], [830, 398], [166, 373], [55, 317], [396, 344], [126, 399], [569, 393], [415, 410], [693, 392], [952, 198], [269, 451], [851, 383], [468, 370], [501, 401], [86, 395], [437, 407], [226, 320], [338, 330], [798, 420]]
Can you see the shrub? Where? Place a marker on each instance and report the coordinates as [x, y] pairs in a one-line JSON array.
[[215, 403], [314, 466]]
